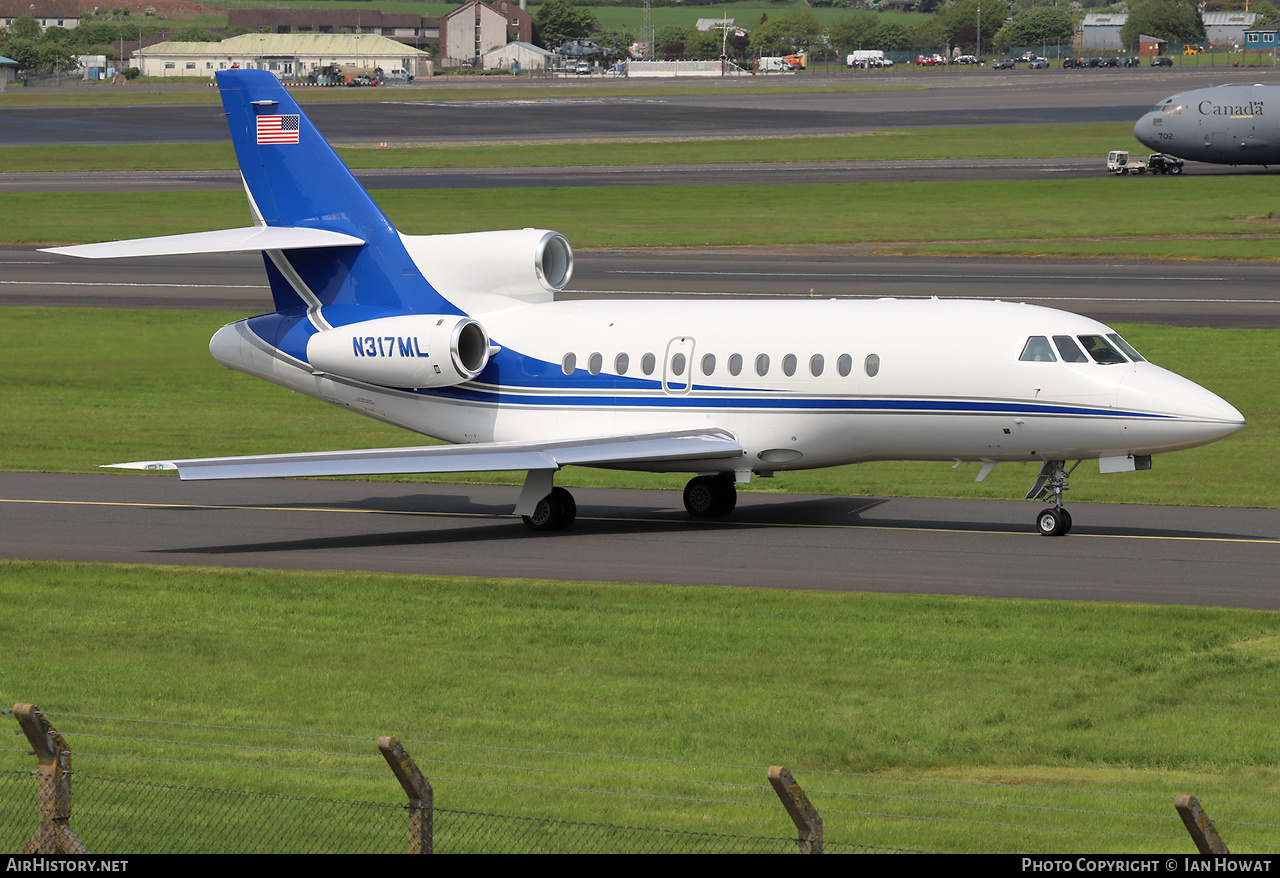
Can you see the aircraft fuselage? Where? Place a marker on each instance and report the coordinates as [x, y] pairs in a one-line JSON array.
[[800, 384], [1233, 125]]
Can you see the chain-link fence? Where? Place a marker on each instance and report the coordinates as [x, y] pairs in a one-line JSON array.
[[113, 816]]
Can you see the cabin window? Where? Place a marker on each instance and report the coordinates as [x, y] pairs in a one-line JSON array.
[[569, 363], [621, 363], [1037, 350], [677, 364], [816, 364], [844, 365], [735, 364], [648, 363], [708, 364], [1101, 350], [1126, 347], [762, 365], [1070, 352], [789, 365], [871, 365], [595, 363]]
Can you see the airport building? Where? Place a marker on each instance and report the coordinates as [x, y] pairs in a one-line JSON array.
[[1228, 27], [1100, 32], [460, 37], [519, 57], [289, 56]]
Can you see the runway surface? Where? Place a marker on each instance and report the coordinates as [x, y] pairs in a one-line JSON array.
[[1214, 294], [1162, 555]]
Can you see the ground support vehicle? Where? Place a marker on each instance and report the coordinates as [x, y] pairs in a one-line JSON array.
[[1119, 162]]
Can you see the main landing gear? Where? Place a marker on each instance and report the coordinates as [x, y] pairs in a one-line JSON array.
[[1051, 484], [556, 511], [710, 496], [704, 497]]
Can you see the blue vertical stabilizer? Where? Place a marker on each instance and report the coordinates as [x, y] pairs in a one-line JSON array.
[[296, 180]]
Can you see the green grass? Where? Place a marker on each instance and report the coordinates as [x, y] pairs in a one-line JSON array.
[[908, 144], [141, 385], [1105, 697], [1051, 216]]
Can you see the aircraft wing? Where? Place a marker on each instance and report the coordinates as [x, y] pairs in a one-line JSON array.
[[480, 457], [250, 238]]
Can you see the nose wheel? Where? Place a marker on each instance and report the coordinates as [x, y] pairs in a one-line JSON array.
[[1053, 522], [1050, 485]]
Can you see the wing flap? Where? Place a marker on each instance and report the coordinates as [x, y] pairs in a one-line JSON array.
[[242, 240], [481, 457]]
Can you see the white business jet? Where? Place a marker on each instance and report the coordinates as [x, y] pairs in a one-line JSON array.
[[460, 337]]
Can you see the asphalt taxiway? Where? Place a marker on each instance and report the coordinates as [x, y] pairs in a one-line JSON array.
[[1147, 554]]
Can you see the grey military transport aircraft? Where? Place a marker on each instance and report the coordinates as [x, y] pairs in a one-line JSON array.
[[1226, 125]]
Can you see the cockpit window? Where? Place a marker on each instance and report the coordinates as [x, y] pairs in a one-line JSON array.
[[1070, 352], [1101, 350], [1126, 347], [1037, 350], [1174, 109]]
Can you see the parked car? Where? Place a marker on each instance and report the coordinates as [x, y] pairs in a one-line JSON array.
[[1005, 64], [1161, 62], [1110, 62], [965, 59], [1068, 63], [582, 67], [1037, 64]]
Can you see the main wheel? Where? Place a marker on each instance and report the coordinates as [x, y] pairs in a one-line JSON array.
[[710, 496], [1053, 522], [556, 511]]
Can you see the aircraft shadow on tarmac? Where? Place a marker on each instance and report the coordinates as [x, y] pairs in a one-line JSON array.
[[500, 525]]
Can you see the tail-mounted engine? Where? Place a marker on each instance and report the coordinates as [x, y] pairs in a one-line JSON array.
[[412, 350], [525, 265]]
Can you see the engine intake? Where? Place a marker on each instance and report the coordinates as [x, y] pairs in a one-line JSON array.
[[412, 350]]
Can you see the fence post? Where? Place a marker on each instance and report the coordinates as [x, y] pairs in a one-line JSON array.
[[1200, 826], [806, 817], [54, 835], [418, 789]]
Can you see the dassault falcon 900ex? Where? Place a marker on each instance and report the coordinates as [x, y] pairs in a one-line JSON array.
[[1227, 125], [460, 337]]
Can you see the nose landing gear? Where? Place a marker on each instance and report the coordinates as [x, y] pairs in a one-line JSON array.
[[1051, 484]]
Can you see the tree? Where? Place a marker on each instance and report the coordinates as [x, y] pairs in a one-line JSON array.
[[1035, 27], [796, 31], [194, 35], [559, 21], [892, 36], [856, 31], [1174, 20], [25, 28], [957, 25]]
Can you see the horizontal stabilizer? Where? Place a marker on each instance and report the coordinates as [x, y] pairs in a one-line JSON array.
[[480, 457], [243, 240]]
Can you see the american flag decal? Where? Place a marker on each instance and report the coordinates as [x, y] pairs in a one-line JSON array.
[[278, 129]]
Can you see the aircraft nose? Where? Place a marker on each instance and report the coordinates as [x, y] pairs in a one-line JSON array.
[[1178, 413], [1144, 131]]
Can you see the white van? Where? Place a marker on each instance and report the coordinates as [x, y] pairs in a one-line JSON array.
[[865, 58], [774, 65]]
